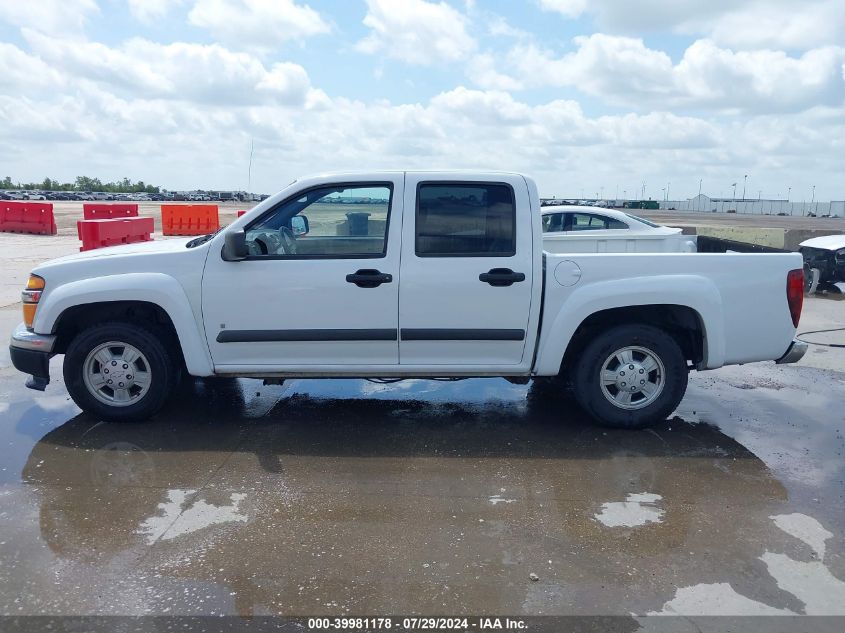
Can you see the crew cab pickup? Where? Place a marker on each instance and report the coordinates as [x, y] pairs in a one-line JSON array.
[[402, 275]]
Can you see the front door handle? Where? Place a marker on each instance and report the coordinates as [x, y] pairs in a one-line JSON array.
[[501, 277], [369, 278]]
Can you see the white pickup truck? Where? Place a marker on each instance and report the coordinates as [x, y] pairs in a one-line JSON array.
[[402, 275]]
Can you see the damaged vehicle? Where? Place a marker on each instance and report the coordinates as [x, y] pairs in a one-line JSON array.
[[824, 263]]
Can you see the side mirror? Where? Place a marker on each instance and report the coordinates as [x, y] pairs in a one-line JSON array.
[[299, 225], [234, 246]]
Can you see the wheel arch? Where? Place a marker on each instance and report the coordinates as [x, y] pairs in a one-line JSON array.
[[682, 323], [688, 302], [140, 298]]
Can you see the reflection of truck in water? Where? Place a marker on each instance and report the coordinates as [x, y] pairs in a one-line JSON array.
[[95, 488]]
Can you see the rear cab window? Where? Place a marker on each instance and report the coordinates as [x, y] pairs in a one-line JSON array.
[[553, 222], [465, 219], [594, 222]]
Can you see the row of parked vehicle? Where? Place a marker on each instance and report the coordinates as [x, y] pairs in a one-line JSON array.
[[18, 194]]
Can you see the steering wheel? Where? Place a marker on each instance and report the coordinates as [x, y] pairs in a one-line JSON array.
[[288, 241]]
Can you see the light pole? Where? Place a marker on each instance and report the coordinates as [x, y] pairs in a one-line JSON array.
[[788, 194], [667, 193], [814, 199], [643, 196], [734, 185], [744, 182]]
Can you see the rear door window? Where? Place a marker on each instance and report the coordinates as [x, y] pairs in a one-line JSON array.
[[465, 220]]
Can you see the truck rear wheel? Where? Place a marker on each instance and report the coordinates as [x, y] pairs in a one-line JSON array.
[[119, 372], [631, 376]]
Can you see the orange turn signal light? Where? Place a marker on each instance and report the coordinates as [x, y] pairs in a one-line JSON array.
[[29, 314], [30, 298], [35, 283]]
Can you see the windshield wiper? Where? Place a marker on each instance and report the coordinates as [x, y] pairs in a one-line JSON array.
[[201, 239]]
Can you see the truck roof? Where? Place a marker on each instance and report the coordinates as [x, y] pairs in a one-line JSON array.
[[377, 173]]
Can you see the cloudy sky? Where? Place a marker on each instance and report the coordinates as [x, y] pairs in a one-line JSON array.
[[588, 96]]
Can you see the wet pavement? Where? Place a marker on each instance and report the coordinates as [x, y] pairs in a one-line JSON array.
[[349, 497]]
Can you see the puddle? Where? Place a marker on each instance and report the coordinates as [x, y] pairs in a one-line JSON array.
[[715, 599], [810, 582]]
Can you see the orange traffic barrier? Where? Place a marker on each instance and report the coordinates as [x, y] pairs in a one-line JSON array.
[[27, 217], [109, 211], [189, 219], [102, 233]]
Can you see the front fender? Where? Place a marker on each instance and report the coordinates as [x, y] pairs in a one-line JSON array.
[[158, 288], [563, 318]]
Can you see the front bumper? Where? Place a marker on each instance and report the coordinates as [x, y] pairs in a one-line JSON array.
[[30, 353], [794, 353]]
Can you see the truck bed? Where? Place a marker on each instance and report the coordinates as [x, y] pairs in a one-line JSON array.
[[741, 298]]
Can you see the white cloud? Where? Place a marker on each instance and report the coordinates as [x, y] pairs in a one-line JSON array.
[[806, 25], [568, 8], [149, 11], [416, 32], [735, 23], [50, 16], [23, 71], [482, 71], [624, 71], [565, 148], [191, 72], [183, 114], [257, 24], [497, 26]]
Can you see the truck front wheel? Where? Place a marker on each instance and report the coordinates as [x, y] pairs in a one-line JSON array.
[[119, 372], [631, 376]]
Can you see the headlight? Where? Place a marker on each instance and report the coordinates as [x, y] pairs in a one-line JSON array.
[[30, 298]]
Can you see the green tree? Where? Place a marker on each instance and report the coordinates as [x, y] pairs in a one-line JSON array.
[[84, 183]]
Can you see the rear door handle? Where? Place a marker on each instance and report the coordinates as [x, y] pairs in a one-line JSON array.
[[369, 278], [501, 277]]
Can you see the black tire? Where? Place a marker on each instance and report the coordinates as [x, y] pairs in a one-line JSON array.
[[163, 368], [588, 383]]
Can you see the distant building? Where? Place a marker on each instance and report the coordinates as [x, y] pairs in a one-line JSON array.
[[761, 206]]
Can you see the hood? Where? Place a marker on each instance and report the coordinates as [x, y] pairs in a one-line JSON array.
[[142, 256], [828, 242], [139, 248]]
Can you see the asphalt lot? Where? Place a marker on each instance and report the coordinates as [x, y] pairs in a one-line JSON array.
[[348, 497]]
